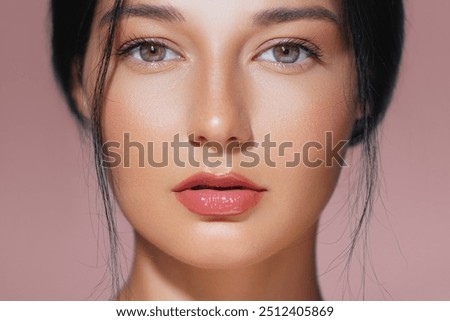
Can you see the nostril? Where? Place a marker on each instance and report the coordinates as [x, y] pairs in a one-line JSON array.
[[220, 144], [196, 141], [234, 141]]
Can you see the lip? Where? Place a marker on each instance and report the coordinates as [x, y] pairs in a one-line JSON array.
[[218, 195]]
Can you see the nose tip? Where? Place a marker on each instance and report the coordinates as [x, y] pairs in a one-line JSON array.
[[220, 114], [221, 130]]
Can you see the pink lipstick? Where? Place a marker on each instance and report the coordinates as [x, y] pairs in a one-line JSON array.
[[224, 195]]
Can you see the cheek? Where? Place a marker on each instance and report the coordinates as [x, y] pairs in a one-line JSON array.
[[300, 110], [142, 113], [303, 107], [147, 105]]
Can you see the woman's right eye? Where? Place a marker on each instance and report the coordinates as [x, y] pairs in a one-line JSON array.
[[153, 53], [150, 52]]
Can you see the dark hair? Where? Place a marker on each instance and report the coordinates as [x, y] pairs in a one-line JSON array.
[[375, 32]]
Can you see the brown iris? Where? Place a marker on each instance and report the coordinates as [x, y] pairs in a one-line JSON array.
[[152, 53]]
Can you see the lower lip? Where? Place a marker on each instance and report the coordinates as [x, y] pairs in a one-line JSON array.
[[219, 202]]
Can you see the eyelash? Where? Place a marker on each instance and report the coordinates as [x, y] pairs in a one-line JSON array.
[[312, 50]]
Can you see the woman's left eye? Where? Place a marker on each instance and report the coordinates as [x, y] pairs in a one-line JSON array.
[[285, 54]]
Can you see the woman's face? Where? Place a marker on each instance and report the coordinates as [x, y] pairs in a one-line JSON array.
[[225, 71]]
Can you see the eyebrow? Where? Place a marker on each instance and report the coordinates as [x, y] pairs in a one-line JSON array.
[[283, 14], [162, 13], [276, 15]]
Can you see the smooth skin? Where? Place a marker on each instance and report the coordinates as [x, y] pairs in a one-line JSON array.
[[218, 73]]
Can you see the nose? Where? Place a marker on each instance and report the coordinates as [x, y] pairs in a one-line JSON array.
[[218, 113]]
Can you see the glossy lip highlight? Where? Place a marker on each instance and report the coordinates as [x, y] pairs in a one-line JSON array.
[[218, 195]]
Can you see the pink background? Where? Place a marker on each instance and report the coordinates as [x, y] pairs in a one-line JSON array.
[[51, 241]]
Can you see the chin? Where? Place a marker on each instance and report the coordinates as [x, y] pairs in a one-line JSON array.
[[222, 259], [222, 253]]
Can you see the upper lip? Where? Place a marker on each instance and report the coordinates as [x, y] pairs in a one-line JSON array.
[[212, 181]]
